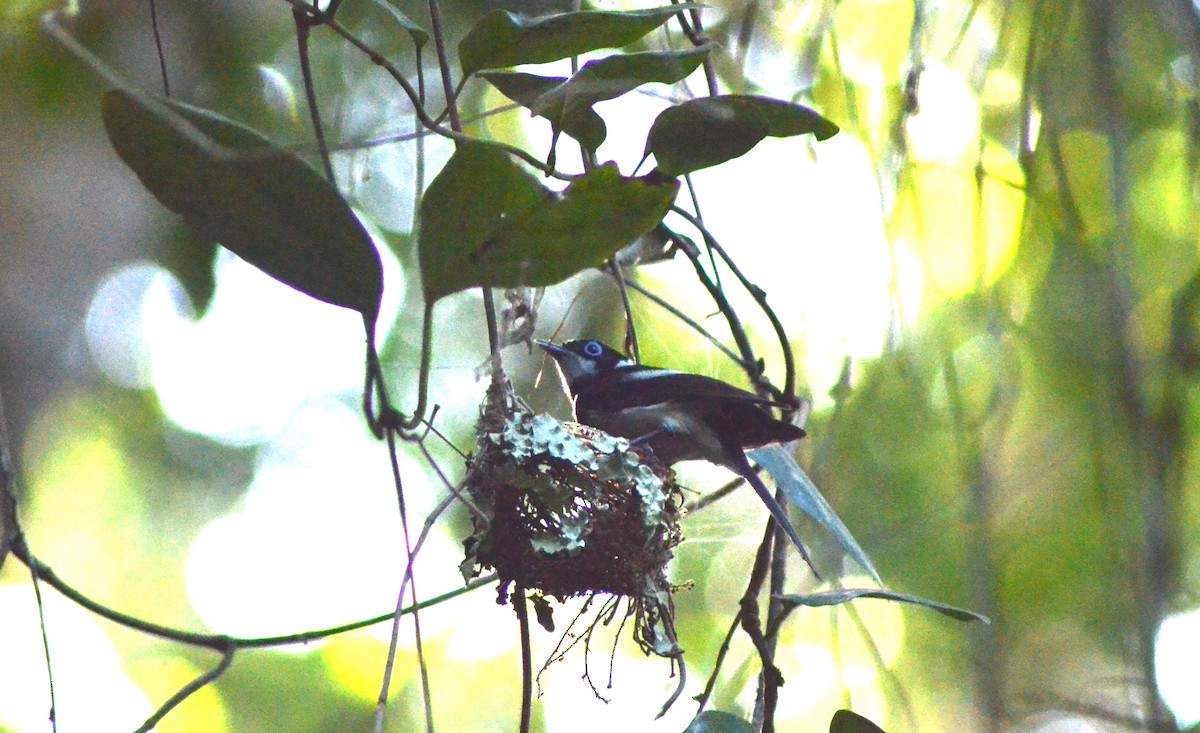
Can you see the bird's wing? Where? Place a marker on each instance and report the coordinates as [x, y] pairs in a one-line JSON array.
[[648, 386]]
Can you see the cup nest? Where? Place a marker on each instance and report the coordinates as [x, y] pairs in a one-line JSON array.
[[567, 510]]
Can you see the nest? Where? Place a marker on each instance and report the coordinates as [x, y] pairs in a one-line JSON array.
[[567, 510]]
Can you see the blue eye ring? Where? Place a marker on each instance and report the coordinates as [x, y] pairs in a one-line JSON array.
[[592, 348]]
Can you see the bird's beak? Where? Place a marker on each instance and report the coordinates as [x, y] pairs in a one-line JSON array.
[[552, 348]]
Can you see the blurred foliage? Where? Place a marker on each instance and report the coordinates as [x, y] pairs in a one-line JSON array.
[[1020, 444]]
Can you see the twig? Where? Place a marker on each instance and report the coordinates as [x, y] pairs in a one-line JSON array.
[[304, 23], [158, 47], [218, 642], [410, 581], [631, 339], [770, 675], [519, 606], [188, 690], [12, 539], [718, 295], [722, 652], [760, 381], [760, 297], [415, 97]]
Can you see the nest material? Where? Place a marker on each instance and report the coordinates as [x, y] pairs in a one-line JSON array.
[[567, 510], [571, 510]]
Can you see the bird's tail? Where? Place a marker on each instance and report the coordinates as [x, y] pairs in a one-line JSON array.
[[776, 510]]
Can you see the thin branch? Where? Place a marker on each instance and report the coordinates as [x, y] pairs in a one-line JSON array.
[[439, 43], [218, 642], [188, 690], [519, 606], [775, 609], [760, 297], [722, 652], [631, 339], [770, 675], [41, 607], [410, 581], [304, 23], [415, 97], [158, 47], [757, 378]]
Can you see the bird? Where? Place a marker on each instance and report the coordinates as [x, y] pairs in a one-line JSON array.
[[678, 415]]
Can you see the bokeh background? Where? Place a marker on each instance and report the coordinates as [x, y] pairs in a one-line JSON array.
[[990, 278]]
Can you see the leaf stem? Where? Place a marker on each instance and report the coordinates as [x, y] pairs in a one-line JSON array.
[[304, 23]]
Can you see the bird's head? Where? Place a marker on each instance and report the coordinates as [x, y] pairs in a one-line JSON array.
[[581, 360]]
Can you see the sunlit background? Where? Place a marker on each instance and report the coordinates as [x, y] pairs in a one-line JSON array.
[[991, 285]]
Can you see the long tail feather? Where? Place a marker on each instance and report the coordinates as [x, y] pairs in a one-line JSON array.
[[778, 513]]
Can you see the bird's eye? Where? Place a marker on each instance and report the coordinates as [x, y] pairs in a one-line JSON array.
[[592, 348]]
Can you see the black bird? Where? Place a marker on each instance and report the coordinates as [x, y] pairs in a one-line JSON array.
[[679, 416]]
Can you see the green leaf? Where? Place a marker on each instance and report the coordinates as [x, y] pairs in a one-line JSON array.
[[585, 126], [845, 721], [844, 595], [609, 78], [232, 185], [418, 34], [785, 119], [716, 721], [485, 221], [704, 132], [503, 39], [804, 494]]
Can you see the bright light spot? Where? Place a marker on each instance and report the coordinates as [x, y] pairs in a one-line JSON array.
[[76, 442], [278, 93], [958, 241], [1183, 70], [1001, 89], [1176, 649], [780, 54], [810, 234], [873, 40], [1161, 198], [946, 129], [1064, 723], [490, 633], [318, 541], [1035, 128], [91, 690], [381, 179], [640, 686], [355, 662], [116, 318], [262, 348]]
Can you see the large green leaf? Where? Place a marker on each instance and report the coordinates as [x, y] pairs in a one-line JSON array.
[[708, 131], [503, 39], [717, 721], [585, 125], [567, 104], [265, 204], [485, 221], [845, 721]]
